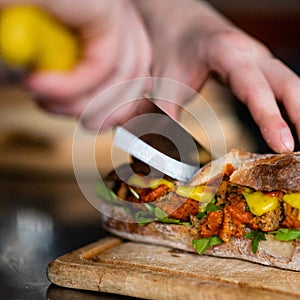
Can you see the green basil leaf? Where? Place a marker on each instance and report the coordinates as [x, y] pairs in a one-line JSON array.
[[215, 240], [256, 237], [185, 223], [159, 214], [250, 234], [150, 207], [201, 215], [163, 217], [285, 234], [212, 207], [169, 220], [143, 218], [105, 193], [203, 244]]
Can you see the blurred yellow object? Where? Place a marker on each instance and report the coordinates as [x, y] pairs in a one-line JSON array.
[[32, 38]]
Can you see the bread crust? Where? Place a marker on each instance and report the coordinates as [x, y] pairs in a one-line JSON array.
[[270, 172], [214, 169]]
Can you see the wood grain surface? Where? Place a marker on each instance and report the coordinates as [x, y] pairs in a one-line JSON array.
[[155, 272]]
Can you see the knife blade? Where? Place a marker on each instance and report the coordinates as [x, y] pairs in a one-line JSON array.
[[162, 143], [136, 147]]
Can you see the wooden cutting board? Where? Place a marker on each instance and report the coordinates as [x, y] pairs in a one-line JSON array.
[[155, 272]]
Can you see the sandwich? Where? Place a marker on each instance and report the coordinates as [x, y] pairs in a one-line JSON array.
[[242, 205]]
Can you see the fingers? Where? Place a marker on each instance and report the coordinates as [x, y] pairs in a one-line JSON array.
[[95, 66], [100, 58], [254, 89], [286, 86], [257, 80], [117, 55]]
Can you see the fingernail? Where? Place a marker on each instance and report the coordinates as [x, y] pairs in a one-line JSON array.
[[287, 140]]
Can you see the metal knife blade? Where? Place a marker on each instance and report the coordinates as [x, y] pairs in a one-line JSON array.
[[162, 143], [141, 150]]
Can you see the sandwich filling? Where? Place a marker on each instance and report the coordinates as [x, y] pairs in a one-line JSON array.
[[215, 211]]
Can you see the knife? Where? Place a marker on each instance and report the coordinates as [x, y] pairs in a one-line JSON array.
[[162, 143]]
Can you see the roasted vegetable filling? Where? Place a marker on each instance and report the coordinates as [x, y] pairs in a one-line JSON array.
[[215, 213]]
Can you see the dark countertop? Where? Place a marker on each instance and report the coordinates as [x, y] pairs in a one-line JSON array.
[[37, 225]]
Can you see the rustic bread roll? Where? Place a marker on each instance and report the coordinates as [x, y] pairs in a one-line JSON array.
[[260, 172]]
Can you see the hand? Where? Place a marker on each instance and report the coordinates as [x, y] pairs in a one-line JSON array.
[[191, 41], [115, 48]]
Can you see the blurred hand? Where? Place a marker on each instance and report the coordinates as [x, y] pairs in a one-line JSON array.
[[115, 48]]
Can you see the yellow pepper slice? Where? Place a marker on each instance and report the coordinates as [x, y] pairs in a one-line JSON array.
[[197, 193], [259, 203], [293, 200], [139, 181]]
